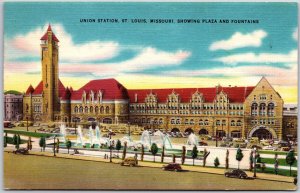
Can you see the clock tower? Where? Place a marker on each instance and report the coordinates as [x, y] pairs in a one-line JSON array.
[[49, 59]]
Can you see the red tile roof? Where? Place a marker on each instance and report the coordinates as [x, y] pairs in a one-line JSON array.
[[235, 94], [45, 36], [111, 89], [29, 90], [39, 89]]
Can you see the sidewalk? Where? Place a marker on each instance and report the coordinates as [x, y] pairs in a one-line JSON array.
[[219, 171]]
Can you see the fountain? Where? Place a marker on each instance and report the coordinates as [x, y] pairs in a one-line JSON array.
[[91, 136], [161, 139], [128, 140], [63, 131], [192, 140], [79, 141], [158, 137]]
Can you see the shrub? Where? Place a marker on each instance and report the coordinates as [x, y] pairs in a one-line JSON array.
[[216, 162]]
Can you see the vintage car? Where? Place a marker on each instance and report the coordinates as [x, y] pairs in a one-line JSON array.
[[236, 173], [130, 161], [23, 151], [172, 167]]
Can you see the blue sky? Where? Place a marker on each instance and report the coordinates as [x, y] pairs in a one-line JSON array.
[[198, 53]]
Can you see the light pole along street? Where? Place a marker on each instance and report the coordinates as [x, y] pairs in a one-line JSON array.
[[110, 147]]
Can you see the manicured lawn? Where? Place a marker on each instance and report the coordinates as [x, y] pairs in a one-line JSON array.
[[282, 162], [280, 171], [273, 152], [29, 133]]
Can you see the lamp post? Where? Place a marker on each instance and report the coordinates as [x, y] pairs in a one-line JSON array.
[[110, 148], [27, 122], [128, 128], [216, 136], [254, 161], [54, 146], [75, 120]]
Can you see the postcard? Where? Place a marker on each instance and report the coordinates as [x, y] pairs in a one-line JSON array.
[[150, 96]]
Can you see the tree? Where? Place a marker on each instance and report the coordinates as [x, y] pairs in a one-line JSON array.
[[68, 145], [142, 153], [251, 161], [162, 154], [30, 144], [14, 141], [290, 159], [57, 146], [276, 163], [183, 155], [174, 158], [204, 157], [154, 150], [41, 143], [18, 141], [4, 141], [124, 150], [258, 158], [239, 156], [118, 146], [216, 162], [194, 154], [227, 159]]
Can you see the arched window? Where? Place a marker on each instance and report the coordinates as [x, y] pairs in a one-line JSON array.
[[192, 122], [201, 122], [101, 109], [91, 109], [178, 121], [232, 123], [86, 109], [76, 109], [262, 109], [254, 109], [81, 109], [172, 121], [239, 123], [271, 109], [206, 122], [160, 121], [218, 123], [107, 110], [96, 109]]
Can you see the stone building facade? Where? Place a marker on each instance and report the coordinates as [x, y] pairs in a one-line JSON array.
[[217, 111], [290, 121], [13, 107]]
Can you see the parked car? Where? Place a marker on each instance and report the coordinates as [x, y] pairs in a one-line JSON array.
[[265, 142], [172, 167], [238, 140], [202, 143], [130, 161], [269, 148], [23, 151], [285, 149], [236, 173], [254, 140]]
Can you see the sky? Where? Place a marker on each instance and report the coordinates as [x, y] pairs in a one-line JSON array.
[[156, 55]]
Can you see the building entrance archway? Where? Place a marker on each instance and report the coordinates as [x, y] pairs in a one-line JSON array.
[[263, 132]]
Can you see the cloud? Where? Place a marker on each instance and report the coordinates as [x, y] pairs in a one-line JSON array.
[[250, 57], [295, 34], [276, 75], [28, 45], [239, 40], [148, 58], [80, 58]]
